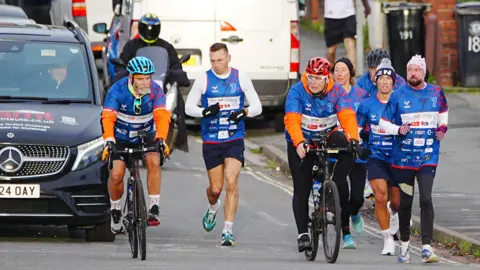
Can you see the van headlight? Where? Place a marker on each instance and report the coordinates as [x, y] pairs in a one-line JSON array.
[[171, 99], [88, 153]]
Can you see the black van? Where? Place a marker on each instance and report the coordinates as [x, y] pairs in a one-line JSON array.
[[50, 130]]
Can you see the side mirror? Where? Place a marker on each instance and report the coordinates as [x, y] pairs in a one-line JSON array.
[[185, 58], [100, 28], [118, 62]]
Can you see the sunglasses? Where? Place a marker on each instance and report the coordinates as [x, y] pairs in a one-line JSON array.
[[137, 106], [316, 78]]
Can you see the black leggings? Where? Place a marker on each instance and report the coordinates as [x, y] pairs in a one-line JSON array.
[[425, 177], [358, 177], [302, 182]]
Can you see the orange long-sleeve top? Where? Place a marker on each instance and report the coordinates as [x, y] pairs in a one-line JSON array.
[[301, 103]]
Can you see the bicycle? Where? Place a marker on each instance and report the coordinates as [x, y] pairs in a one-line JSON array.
[[135, 206], [322, 214]]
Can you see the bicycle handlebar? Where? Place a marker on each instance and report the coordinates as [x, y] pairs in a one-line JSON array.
[[135, 150], [132, 151]]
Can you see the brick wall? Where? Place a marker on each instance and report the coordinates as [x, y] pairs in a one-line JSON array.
[[446, 59]]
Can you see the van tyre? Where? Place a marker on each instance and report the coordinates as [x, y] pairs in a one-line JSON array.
[[278, 123], [100, 233]]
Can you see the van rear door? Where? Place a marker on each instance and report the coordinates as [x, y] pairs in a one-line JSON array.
[[188, 25], [258, 36]]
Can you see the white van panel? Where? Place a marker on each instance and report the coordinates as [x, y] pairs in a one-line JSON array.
[[98, 11], [265, 50], [187, 25]]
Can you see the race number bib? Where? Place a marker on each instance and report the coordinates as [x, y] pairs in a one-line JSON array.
[[226, 103], [317, 124], [223, 134]]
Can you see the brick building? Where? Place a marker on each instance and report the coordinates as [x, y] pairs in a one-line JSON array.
[[441, 37]]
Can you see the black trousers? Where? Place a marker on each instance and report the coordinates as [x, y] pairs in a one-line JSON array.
[[302, 182]]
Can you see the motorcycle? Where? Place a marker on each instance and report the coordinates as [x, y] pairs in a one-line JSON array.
[[170, 80]]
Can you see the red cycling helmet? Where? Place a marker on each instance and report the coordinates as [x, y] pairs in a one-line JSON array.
[[318, 66]]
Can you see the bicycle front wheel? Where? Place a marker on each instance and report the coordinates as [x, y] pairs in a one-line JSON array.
[[331, 216], [132, 224], [141, 218], [314, 232]]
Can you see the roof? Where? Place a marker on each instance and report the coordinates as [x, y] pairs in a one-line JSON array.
[[12, 11], [19, 29]]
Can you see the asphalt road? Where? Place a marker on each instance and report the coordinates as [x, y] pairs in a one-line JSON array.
[[265, 232]]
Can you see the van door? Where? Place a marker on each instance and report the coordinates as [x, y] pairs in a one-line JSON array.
[[188, 25], [258, 36]]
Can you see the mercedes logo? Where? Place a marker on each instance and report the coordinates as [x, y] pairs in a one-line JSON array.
[[11, 159], [10, 135]]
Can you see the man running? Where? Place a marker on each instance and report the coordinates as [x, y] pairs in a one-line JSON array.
[[418, 115], [380, 144], [367, 81], [222, 92]]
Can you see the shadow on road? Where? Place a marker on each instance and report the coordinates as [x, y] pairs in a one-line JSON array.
[[31, 233]]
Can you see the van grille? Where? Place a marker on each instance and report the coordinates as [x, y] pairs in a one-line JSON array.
[[34, 161]]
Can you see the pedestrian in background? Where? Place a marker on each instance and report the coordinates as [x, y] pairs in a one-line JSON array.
[[341, 26]]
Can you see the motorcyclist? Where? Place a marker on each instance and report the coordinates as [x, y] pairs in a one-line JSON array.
[[149, 27]]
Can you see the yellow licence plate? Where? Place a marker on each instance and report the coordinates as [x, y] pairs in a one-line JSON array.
[[193, 61]]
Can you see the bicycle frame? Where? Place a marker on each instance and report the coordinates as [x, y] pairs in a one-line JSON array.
[[319, 217], [135, 206]]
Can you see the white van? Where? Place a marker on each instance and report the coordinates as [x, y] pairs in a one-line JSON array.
[[262, 37]]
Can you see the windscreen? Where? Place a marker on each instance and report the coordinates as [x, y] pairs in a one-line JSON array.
[[44, 70]]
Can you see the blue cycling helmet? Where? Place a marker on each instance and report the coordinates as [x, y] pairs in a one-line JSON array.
[[140, 65], [149, 28]]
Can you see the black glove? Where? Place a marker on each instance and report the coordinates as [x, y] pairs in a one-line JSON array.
[[361, 152], [162, 149], [212, 110], [365, 135], [108, 150], [237, 116]]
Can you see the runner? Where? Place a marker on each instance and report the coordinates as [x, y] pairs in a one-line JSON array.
[[222, 92], [379, 171], [344, 74], [418, 115]]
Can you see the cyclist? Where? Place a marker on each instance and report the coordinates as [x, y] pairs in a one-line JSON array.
[[418, 115], [135, 103], [149, 27], [313, 107], [344, 74], [367, 80], [222, 92], [380, 144]]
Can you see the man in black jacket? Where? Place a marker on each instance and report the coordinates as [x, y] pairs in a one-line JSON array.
[[149, 27]]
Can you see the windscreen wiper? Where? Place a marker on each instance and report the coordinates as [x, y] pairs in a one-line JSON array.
[[66, 101], [22, 98]]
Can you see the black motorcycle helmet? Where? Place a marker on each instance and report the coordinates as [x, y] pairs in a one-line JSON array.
[[375, 57], [149, 28]]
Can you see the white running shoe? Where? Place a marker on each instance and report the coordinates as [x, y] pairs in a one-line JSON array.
[[394, 221], [388, 244]]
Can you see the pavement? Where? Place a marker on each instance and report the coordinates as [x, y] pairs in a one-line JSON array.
[[264, 228]]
